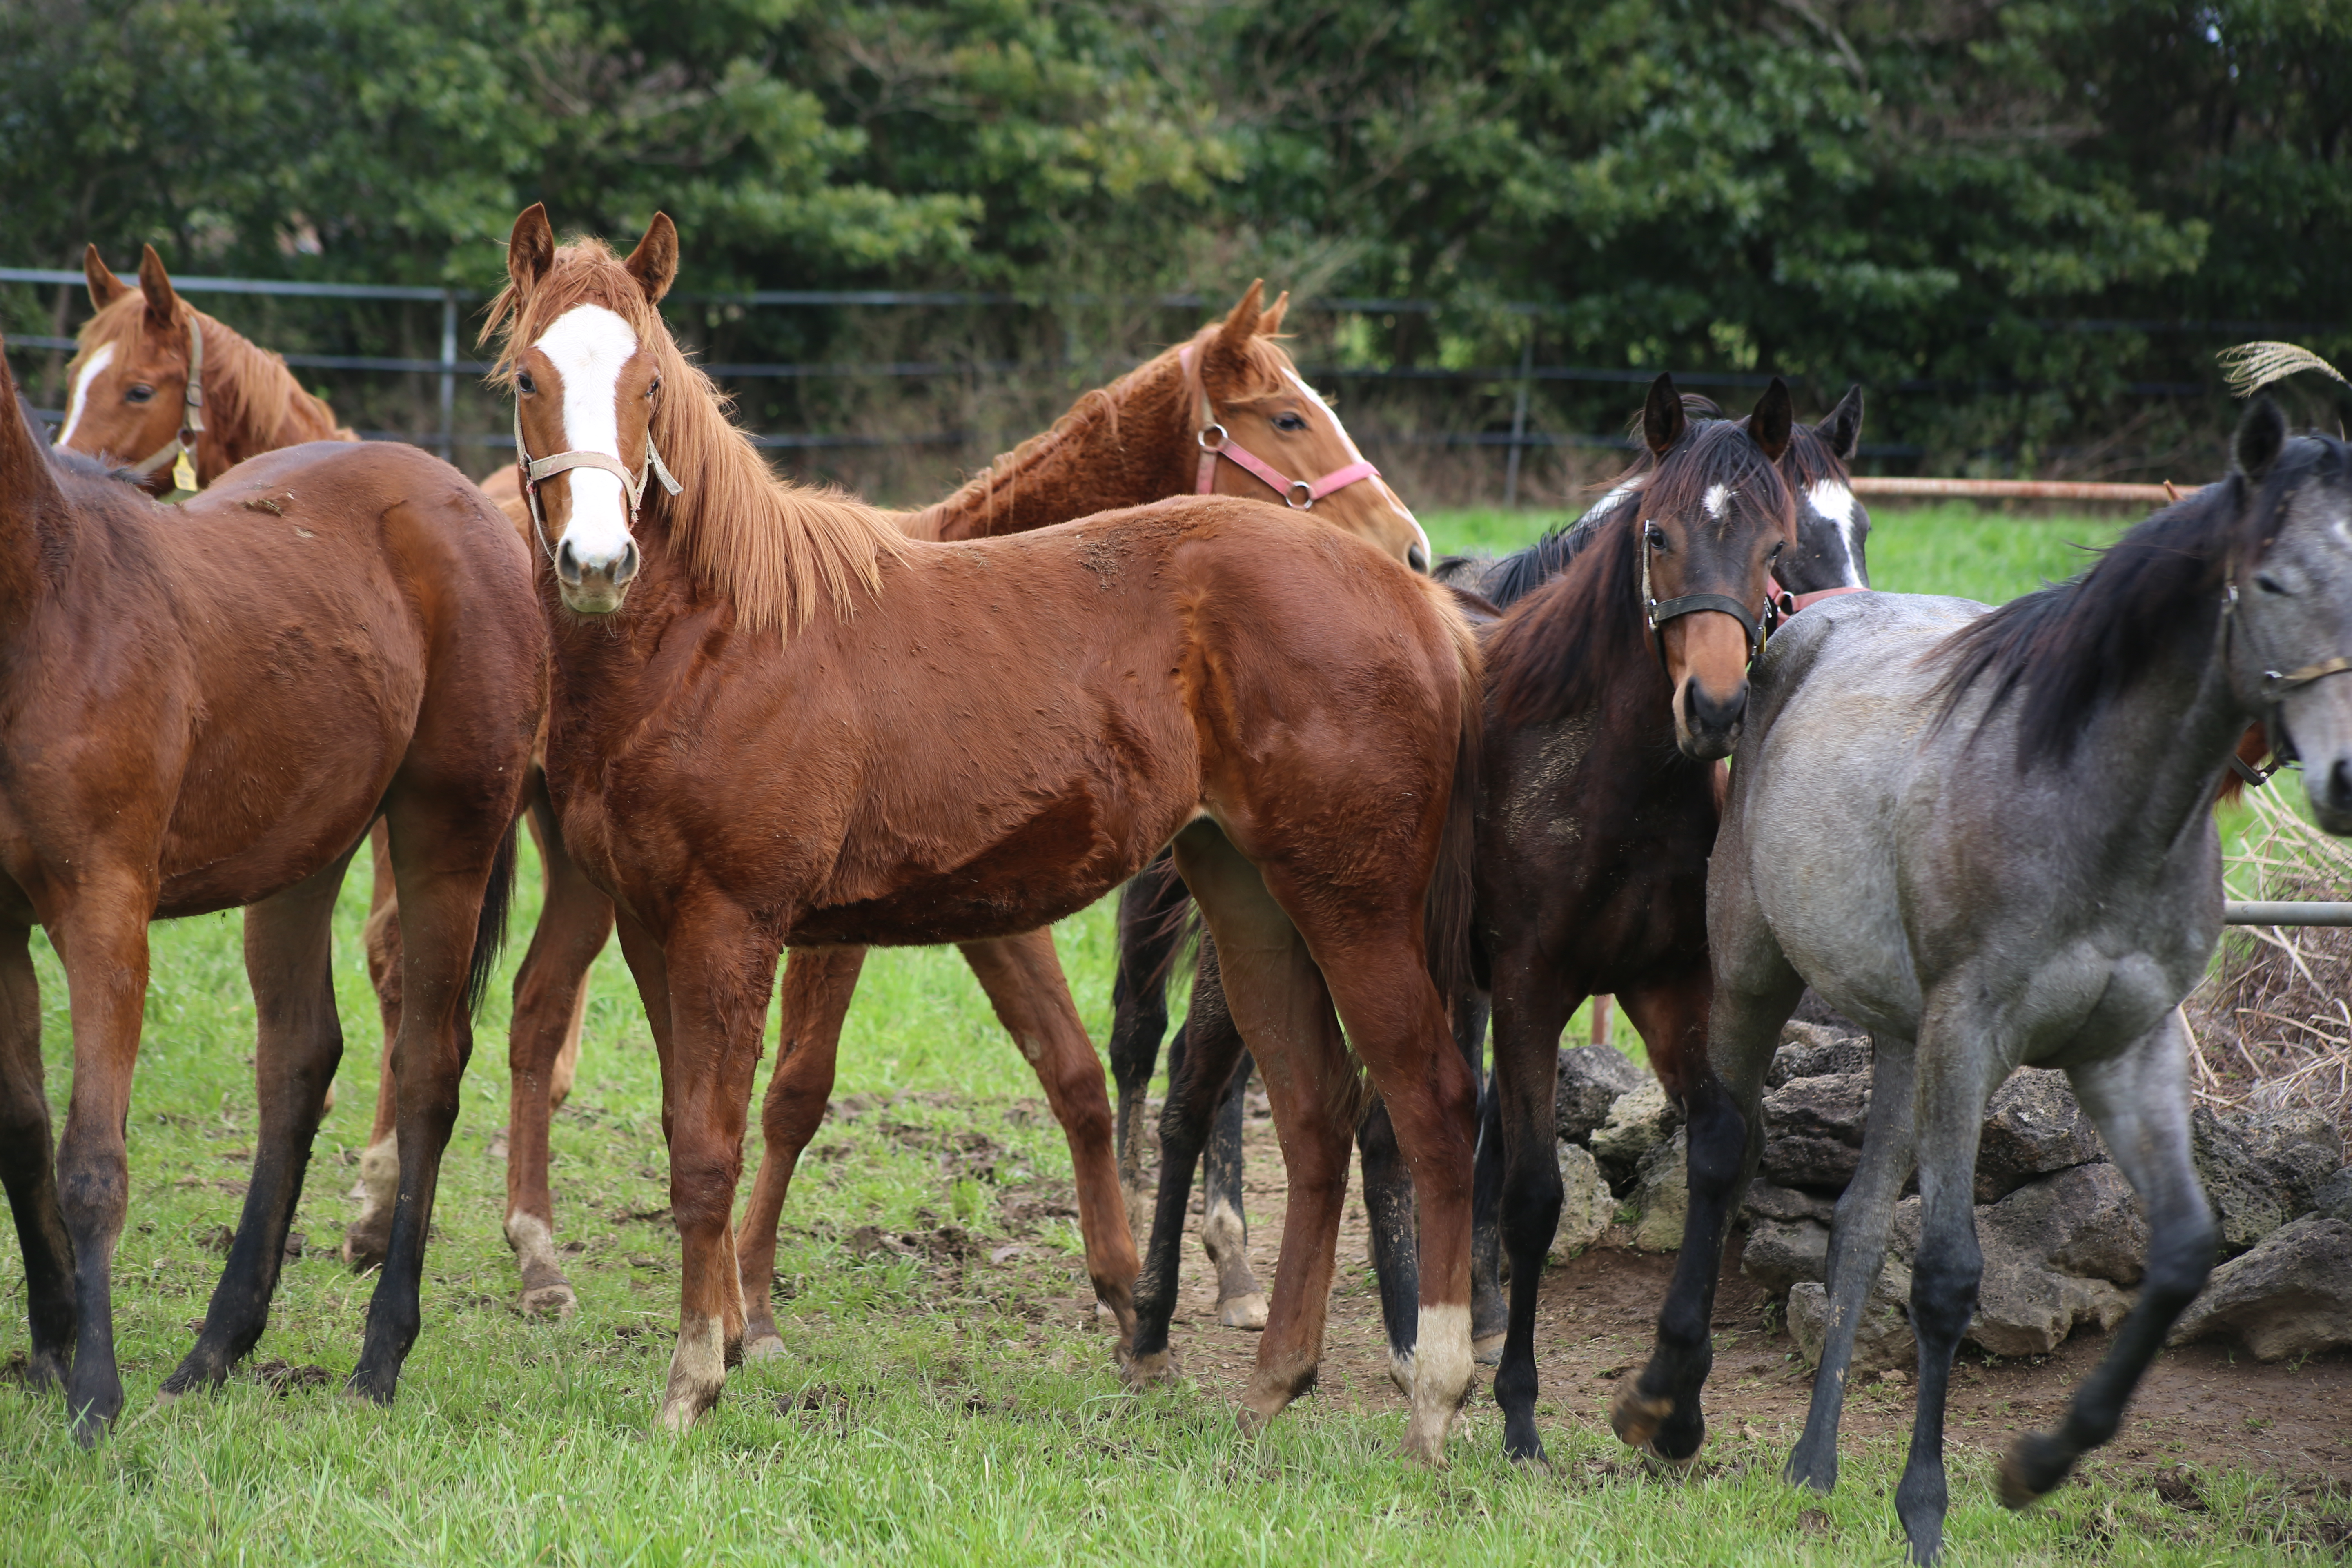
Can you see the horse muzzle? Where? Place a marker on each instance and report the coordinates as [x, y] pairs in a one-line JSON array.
[[2329, 786], [1707, 726], [594, 584]]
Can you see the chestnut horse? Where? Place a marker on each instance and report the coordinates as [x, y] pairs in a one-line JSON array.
[[776, 720], [1137, 440], [134, 405], [330, 635]]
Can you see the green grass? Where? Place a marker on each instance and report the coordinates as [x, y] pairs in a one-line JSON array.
[[922, 1415]]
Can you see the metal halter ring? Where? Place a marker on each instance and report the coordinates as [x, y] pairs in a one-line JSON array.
[[1208, 445], [1300, 497]]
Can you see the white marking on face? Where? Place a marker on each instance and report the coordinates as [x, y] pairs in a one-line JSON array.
[[91, 370], [1835, 501], [588, 345], [1717, 500], [1396, 502]]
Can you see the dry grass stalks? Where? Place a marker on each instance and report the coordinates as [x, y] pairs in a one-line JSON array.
[[2271, 1027]]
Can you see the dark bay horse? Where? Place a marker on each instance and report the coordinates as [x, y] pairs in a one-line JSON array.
[[133, 404], [203, 707], [1145, 437], [1827, 559], [2008, 855], [775, 720]]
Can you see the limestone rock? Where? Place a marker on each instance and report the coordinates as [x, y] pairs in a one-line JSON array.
[[1882, 1342], [1810, 1050], [1587, 1207], [2332, 1197], [1662, 1194], [1592, 1079], [1770, 1200], [1638, 1122], [2055, 1251], [1782, 1253], [2031, 1127], [1812, 1129], [2262, 1169], [2290, 1295]]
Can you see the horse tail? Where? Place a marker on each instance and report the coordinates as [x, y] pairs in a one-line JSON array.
[[1446, 912], [490, 926]]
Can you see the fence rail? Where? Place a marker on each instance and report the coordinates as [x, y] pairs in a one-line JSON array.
[[2286, 912]]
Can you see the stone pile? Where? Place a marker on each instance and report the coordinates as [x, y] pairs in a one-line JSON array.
[[2062, 1235]]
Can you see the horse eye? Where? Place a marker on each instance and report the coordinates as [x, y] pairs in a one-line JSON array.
[[523, 383], [2268, 584], [1288, 421], [1654, 536], [140, 394]]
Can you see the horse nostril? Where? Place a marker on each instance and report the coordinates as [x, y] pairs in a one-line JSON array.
[[1717, 715], [2340, 784], [628, 566], [567, 562]]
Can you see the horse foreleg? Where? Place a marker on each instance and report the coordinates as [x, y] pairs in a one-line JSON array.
[[366, 1237], [551, 994], [818, 985], [288, 961], [2139, 1102], [28, 1167], [1023, 977]]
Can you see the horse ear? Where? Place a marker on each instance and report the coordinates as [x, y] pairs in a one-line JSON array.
[[2261, 436], [1240, 325], [530, 249], [156, 284], [654, 263], [1662, 419], [1270, 324], [1842, 431], [105, 288], [1775, 417]]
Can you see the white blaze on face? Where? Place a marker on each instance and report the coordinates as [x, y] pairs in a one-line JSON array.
[[1396, 502], [91, 369], [588, 346], [1835, 501], [1717, 500]]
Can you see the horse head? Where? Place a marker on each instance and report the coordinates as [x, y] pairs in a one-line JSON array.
[[586, 386], [1263, 432], [1715, 518], [132, 403], [2290, 600]]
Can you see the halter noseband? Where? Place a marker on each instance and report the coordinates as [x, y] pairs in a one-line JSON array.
[[533, 469], [1300, 495], [1656, 613], [2276, 685], [182, 450]]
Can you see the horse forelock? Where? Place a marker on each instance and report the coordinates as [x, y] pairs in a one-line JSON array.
[[2073, 648], [777, 549], [251, 399]]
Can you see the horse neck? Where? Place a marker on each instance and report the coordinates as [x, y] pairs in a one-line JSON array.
[[1133, 446], [238, 379], [2156, 750]]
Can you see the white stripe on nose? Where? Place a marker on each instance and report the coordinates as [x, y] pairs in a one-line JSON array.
[[1835, 501], [91, 369], [588, 346]]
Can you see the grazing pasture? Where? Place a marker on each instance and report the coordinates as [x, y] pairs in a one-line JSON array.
[[943, 1399]]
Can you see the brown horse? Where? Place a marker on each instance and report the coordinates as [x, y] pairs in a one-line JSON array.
[[134, 405], [1137, 440], [330, 635], [776, 720]]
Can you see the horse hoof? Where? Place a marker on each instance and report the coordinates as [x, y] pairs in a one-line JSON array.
[[1636, 1419], [1242, 1311], [555, 1301], [1666, 1465], [2013, 1477], [766, 1347], [1488, 1351], [362, 1253], [1145, 1371], [1425, 1442]]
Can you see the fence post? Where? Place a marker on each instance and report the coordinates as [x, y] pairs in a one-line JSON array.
[[448, 440], [1520, 419]]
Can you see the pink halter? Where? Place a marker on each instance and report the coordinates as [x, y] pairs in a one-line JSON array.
[[1299, 494], [1800, 600]]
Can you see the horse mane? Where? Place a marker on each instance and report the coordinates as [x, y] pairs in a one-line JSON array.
[[1518, 574], [1569, 643], [245, 387], [2074, 648], [776, 549]]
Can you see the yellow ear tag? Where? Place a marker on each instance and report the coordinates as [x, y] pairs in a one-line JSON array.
[[183, 474]]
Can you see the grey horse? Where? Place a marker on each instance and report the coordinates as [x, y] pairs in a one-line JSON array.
[[1987, 836]]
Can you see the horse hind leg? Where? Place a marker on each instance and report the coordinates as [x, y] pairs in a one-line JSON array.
[[1224, 1219], [1388, 1211], [1023, 977], [2139, 1102], [1150, 930], [367, 1236], [818, 985], [29, 1166], [299, 1042], [1490, 1308], [551, 995], [1858, 1251]]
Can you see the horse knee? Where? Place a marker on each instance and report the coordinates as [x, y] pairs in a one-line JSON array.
[[1944, 1290], [2180, 1260], [1716, 1142]]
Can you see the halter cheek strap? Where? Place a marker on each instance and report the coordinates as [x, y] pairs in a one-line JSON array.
[[1299, 494], [533, 469], [2276, 685], [182, 451], [1658, 612]]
